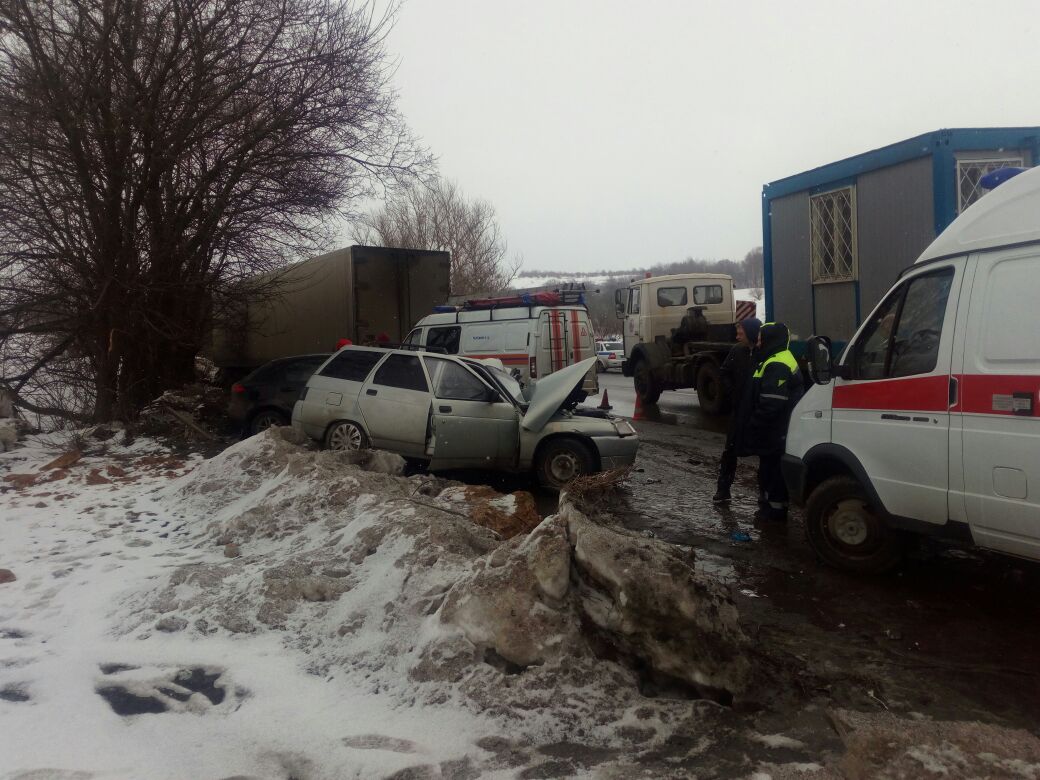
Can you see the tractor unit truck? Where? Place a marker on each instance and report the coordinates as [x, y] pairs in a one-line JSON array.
[[677, 331]]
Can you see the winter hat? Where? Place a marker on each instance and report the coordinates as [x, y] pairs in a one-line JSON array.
[[751, 327], [775, 338]]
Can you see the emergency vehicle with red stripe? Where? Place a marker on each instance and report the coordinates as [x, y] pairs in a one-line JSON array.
[[929, 421], [534, 333]]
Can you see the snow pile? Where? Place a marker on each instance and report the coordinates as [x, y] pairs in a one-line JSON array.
[[278, 611]]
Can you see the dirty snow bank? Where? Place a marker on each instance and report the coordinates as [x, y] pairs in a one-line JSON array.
[[387, 586]]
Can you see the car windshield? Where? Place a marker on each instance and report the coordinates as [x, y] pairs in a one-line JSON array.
[[501, 378]]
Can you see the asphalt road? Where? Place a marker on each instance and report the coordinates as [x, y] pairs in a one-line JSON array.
[[952, 633]]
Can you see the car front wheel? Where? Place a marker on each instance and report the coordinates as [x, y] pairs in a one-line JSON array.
[[345, 436], [846, 532], [562, 460]]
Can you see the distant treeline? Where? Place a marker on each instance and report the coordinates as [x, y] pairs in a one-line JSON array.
[[746, 273]]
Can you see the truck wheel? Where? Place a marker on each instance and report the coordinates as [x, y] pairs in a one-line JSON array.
[[845, 532], [646, 386], [562, 460], [345, 436], [710, 392]]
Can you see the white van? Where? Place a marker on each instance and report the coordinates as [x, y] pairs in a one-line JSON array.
[[535, 339], [930, 420]]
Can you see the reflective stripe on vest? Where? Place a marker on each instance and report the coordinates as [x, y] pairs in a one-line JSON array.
[[783, 356]]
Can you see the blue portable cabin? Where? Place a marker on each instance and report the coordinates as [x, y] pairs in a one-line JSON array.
[[836, 237]]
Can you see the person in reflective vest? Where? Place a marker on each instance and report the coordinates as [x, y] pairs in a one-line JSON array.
[[776, 386]]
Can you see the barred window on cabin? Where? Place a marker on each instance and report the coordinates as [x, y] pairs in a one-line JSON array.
[[833, 236], [970, 172]]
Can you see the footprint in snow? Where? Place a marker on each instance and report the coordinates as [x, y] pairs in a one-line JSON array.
[[380, 742], [132, 690]]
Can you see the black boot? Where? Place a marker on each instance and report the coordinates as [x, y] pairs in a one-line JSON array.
[[721, 496]]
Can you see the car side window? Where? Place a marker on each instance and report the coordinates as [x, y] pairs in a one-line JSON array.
[[453, 382], [352, 364], [445, 338], [414, 337], [402, 371], [902, 338]]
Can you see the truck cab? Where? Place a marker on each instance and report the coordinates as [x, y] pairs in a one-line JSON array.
[[663, 354], [654, 306], [930, 420]]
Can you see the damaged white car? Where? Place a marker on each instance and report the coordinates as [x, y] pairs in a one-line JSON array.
[[456, 413]]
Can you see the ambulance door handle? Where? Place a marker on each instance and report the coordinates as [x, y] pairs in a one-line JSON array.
[[953, 391]]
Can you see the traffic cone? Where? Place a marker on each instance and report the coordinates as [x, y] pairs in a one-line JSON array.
[[604, 403], [637, 414]]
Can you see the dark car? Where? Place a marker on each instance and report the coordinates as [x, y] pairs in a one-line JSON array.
[[266, 396]]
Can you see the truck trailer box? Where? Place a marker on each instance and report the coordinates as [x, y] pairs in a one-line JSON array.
[[362, 293]]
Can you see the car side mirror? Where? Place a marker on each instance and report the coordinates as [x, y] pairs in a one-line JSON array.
[[821, 368], [619, 303]]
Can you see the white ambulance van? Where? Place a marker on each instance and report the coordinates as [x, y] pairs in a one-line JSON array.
[[536, 333], [930, 420]]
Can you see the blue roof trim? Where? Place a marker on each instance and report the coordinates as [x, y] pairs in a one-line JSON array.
[[956, 139], [767, 256]]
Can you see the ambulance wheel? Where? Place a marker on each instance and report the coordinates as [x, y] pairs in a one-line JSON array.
[[710, 393], [646, 386], [562, 460], [845, 532]]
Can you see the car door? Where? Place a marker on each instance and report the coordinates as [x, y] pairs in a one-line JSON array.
[[891, 404], [472, 425], [1000, 403], [395, 404]]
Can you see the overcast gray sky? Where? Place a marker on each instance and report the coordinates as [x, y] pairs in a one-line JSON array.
[[620, 134]]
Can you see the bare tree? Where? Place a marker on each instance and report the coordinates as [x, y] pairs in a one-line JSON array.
[[754, 270], [153, 153], [436, 215]]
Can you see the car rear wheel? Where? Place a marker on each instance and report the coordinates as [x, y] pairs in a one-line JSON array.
[[562, 460], [267, 418], [345, 436], [600, 368], [846, 532], [646, 386]]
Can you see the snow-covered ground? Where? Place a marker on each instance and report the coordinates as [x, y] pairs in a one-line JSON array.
[[277, 612]]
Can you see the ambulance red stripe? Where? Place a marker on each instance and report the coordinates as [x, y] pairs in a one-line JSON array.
[[977, 393]]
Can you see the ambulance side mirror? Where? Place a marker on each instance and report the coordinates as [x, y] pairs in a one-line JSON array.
[[820, 366]]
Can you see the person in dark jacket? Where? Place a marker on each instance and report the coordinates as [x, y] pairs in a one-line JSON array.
[[736, 373], [775, 387]]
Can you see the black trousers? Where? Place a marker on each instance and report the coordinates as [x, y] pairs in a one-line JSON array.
[[727, 467], [771, 479]]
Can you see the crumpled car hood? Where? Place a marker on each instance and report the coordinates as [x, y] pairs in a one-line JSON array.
[[550, 393]]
